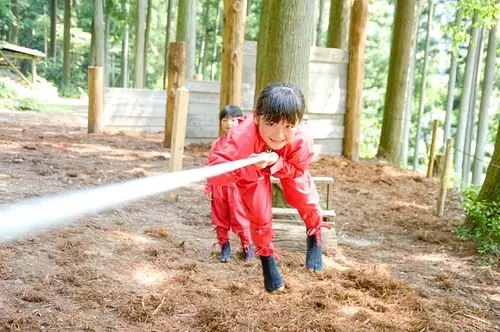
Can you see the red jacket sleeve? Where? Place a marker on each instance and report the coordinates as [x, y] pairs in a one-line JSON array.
[[296, 157]]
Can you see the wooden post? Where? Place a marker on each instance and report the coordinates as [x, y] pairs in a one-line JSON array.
[[33, 70], [233, 32], [356, 45], [444, 179], [176, 78], [179, 129], [178, 137], [433, 146], [96, 103]]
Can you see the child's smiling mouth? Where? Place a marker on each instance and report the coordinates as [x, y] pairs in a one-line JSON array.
[[274, 141]]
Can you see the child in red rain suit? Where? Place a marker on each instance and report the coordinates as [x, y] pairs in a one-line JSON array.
[[227, 209], [274, 129]]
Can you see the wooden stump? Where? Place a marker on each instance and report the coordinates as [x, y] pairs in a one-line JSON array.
[[291, 236], [289, 228]]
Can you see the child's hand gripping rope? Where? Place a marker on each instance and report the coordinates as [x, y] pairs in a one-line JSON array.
[[272, 158]]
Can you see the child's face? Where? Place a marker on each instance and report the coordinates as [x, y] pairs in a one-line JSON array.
[[276, 135], [226, 124]]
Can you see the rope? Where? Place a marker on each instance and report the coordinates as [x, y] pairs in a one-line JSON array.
[[37, 214]]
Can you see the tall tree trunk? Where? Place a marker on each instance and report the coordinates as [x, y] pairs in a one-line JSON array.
[[465, 100], [125, 47], [107, 23], [67, 43], [200, 68], [186, 31], [139, 45], [98, 34], [249, 7], [289, 43], [356, 73], [53, 29], [93, 52], [265, 10], [451, 85], [192, 40], [215, 51], [411, 85], [490, 190], [390, 138], [469, 132], [45, 37], [482, 131], [205, 55], [422, 88], [112, 76], [146, 41], [14, 27], [233, 33], [320, 23], [338, 24], [167, 41]]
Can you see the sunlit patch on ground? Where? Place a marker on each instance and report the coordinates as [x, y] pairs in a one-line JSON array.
[[146, 275]]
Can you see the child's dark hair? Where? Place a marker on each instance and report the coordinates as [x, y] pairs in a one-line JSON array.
[[230, 110], [281, 101]]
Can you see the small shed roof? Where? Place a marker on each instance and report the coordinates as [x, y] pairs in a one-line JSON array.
[[21, 50]]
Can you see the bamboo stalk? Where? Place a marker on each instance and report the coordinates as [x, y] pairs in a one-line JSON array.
[[444, 179], [433, 146]]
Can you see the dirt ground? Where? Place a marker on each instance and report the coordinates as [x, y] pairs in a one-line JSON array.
[[150, 265]]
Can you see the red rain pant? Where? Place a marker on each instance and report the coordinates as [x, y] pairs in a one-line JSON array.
[[228, 213], [299, 192]]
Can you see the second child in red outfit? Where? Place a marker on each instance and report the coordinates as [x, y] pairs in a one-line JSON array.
[[227, 208]]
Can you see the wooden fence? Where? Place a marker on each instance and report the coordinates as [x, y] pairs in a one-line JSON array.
[[144, 110]]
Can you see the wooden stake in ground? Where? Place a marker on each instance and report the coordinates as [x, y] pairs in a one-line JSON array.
[[178, 136], [179, 130], [96, 104], [176, 78], [357, 41], [444, 179], [433, 146], [233, 32]]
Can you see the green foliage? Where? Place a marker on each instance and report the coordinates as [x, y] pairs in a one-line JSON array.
[[26, 104], [53, 71], [252, 21], [378, 44], [9, 99], [483, 222], [7, 17], [488, 12], [468, 194]]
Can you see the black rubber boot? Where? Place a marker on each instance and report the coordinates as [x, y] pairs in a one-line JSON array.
[[248, 253], [225, 253], [314, 262], [272, 278]]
